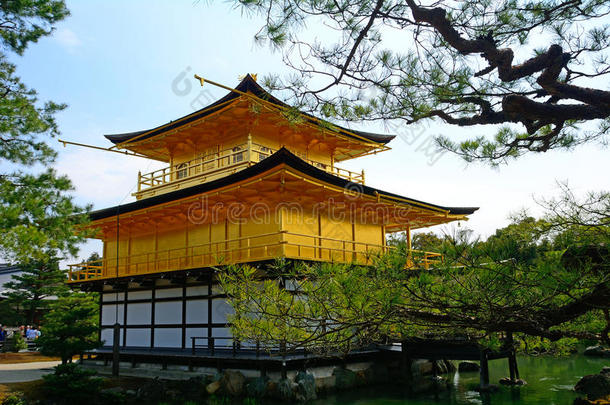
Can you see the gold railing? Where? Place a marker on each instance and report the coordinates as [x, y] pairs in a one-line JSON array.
[[86, 271], [243, 250], [225, 162]]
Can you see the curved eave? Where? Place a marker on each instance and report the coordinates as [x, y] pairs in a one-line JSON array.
[[248, 84], [281, 157]]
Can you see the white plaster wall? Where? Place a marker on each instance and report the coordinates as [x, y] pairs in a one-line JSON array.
[[138, 337], [168, 312], [196, 332], [197, 311], [138, 314], [113, 296], [249, 344], [197, 290], [139, 295], [291, 285], [170, 337], [109, 313], [168, 293], [107, 334], [216, 289], [221, 332], [220, 310]]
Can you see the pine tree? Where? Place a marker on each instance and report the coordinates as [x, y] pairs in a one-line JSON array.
[[37, 214], [538, 68], [30, 291], [71, 326]]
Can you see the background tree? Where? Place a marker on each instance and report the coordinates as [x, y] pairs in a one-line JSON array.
[[425, 241], [94, 259], [37, 216], [513, 282], [71, 326], [29, 293], [532, 67]]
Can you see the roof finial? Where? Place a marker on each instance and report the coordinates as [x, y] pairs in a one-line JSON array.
[[252, 75]]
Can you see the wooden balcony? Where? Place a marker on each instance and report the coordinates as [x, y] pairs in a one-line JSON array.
[[242, 250], [220, 164]]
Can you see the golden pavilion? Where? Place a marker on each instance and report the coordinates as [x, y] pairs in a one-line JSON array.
[[248, 180]]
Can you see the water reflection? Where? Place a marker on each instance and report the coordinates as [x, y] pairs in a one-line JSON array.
[[550, 382]]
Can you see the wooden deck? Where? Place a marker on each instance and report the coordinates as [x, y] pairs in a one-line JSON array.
[[231, 356], [228, 358]]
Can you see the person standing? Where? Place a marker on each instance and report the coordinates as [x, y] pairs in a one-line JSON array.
[[31, 333]]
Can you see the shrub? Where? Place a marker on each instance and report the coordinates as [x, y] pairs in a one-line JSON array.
[[71, 326], [13, 400], [71, 384], [15, 343]]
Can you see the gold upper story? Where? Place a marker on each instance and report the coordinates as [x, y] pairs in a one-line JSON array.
[[239, 130]]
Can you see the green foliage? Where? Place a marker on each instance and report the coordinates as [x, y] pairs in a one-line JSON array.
[[461, 65], [515, 281], [71, 384], [111, 397], [27, 292], [71, 326], [534, 345], [9, 315], [37, 227], [523, 240], [14, 400], [24, 120], [16, 342], [218, 400], [424, 241], [37, 216], [25, 21]]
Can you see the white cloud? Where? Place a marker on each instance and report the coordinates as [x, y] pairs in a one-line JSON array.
[[67, 39], [102, 178]]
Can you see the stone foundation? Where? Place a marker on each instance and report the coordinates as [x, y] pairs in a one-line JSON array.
[[298, 385]]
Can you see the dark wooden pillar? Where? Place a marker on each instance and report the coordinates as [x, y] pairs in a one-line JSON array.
[[511, 367], [435, 371], [484, 370], [184, 314], [512, 358], [125, 315], [116, 336], [153, 297], [405, 362]]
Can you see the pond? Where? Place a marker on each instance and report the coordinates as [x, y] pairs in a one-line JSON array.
[[550, 382]]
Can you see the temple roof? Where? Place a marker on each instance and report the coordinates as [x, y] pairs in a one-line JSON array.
[[281, 157], [248, 84]]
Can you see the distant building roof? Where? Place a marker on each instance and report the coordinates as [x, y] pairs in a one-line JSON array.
[[7, 271]]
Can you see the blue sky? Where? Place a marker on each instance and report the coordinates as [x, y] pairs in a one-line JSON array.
[[126, 66]]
